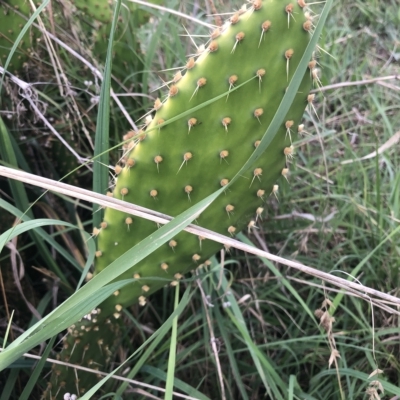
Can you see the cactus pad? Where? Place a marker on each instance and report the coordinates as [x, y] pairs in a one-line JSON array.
[[10, 27], [169, 166]]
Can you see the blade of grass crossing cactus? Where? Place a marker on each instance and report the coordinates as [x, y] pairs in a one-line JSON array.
[[169, 166]]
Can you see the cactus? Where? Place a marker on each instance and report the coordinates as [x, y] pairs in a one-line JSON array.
[[98, 12], [11, 25], [170, 166]]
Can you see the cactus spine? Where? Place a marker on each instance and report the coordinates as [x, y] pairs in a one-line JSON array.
[[170, 166]]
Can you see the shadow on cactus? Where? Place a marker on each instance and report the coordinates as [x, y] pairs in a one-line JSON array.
[[174, 162]]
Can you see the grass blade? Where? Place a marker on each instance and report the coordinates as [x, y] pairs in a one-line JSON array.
[[102, 145], [172, 352]]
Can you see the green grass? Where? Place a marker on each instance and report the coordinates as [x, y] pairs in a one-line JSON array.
[[245, 328]]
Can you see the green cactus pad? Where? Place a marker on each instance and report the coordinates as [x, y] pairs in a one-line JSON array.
[[178, 164], [10, 27], [171, 166], [100, 10]]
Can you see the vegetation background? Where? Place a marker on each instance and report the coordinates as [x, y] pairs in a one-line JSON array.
[[338, 212]]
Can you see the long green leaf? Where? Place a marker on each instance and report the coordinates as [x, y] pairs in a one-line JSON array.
[[265, 367], [50, 240], [74, 306], [25, 395], [101, 146], [21, 199], [229, 351], [282, 279], [169, 388]]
